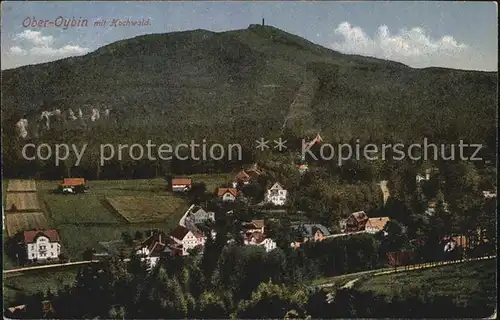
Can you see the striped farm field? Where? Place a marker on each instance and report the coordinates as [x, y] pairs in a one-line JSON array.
[[19, 185], [22, 201], [147, 208], [22, 221]]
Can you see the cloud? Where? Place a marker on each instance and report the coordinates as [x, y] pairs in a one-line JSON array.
[[67, 50], [35, 37], [410, 46], [31, 47], [18, 51]]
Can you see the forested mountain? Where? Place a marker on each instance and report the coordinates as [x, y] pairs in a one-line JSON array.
[[243, 84]]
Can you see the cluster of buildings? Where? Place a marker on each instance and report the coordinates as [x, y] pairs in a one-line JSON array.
[[275, 195], [357, 222], [189, 235], [184, 238]]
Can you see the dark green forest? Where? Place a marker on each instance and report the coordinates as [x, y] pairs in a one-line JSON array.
[[235, 87]]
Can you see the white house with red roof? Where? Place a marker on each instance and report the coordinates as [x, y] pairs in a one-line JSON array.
[[227, 194], [42, 245], [181, 184]]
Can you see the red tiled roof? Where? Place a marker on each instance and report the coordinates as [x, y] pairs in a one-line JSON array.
[[222, 191], [73, 182], [181, 181], [180, 232], [155, 240], [377, 223], [360, 216], [30, 236], [242, 176]]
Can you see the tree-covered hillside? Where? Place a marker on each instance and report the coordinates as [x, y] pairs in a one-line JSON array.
[[240, 85]]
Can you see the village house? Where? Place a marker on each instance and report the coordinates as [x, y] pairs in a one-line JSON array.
[[254, 226], [198, 215], [310, 144], [276, 195], [355, 222], [245, 176], [181, 184], [419, 178], [186, 239], [227, 194], [374, 225], [310, 232], [303, 168], [154, 247], [42, 245], [242, 178], [72, 185], [259, 239], [254, 172]]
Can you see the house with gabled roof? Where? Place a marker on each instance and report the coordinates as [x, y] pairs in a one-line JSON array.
[[355, 222], [242, 177], [181, 184], [227, 194], [259, 239], [198, 215], [73, 185], [72, 182], [42, 245], [277, 195], [254, 226], [310, 232], [374, 225], [186, 239], [154, 247]]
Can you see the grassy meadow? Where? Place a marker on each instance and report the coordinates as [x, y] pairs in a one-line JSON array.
[[86, 220]]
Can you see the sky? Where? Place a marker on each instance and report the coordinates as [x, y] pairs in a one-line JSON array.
[[460, 35]]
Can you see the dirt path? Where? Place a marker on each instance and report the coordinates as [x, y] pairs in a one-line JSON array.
[[20, 271], [300, 108]]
